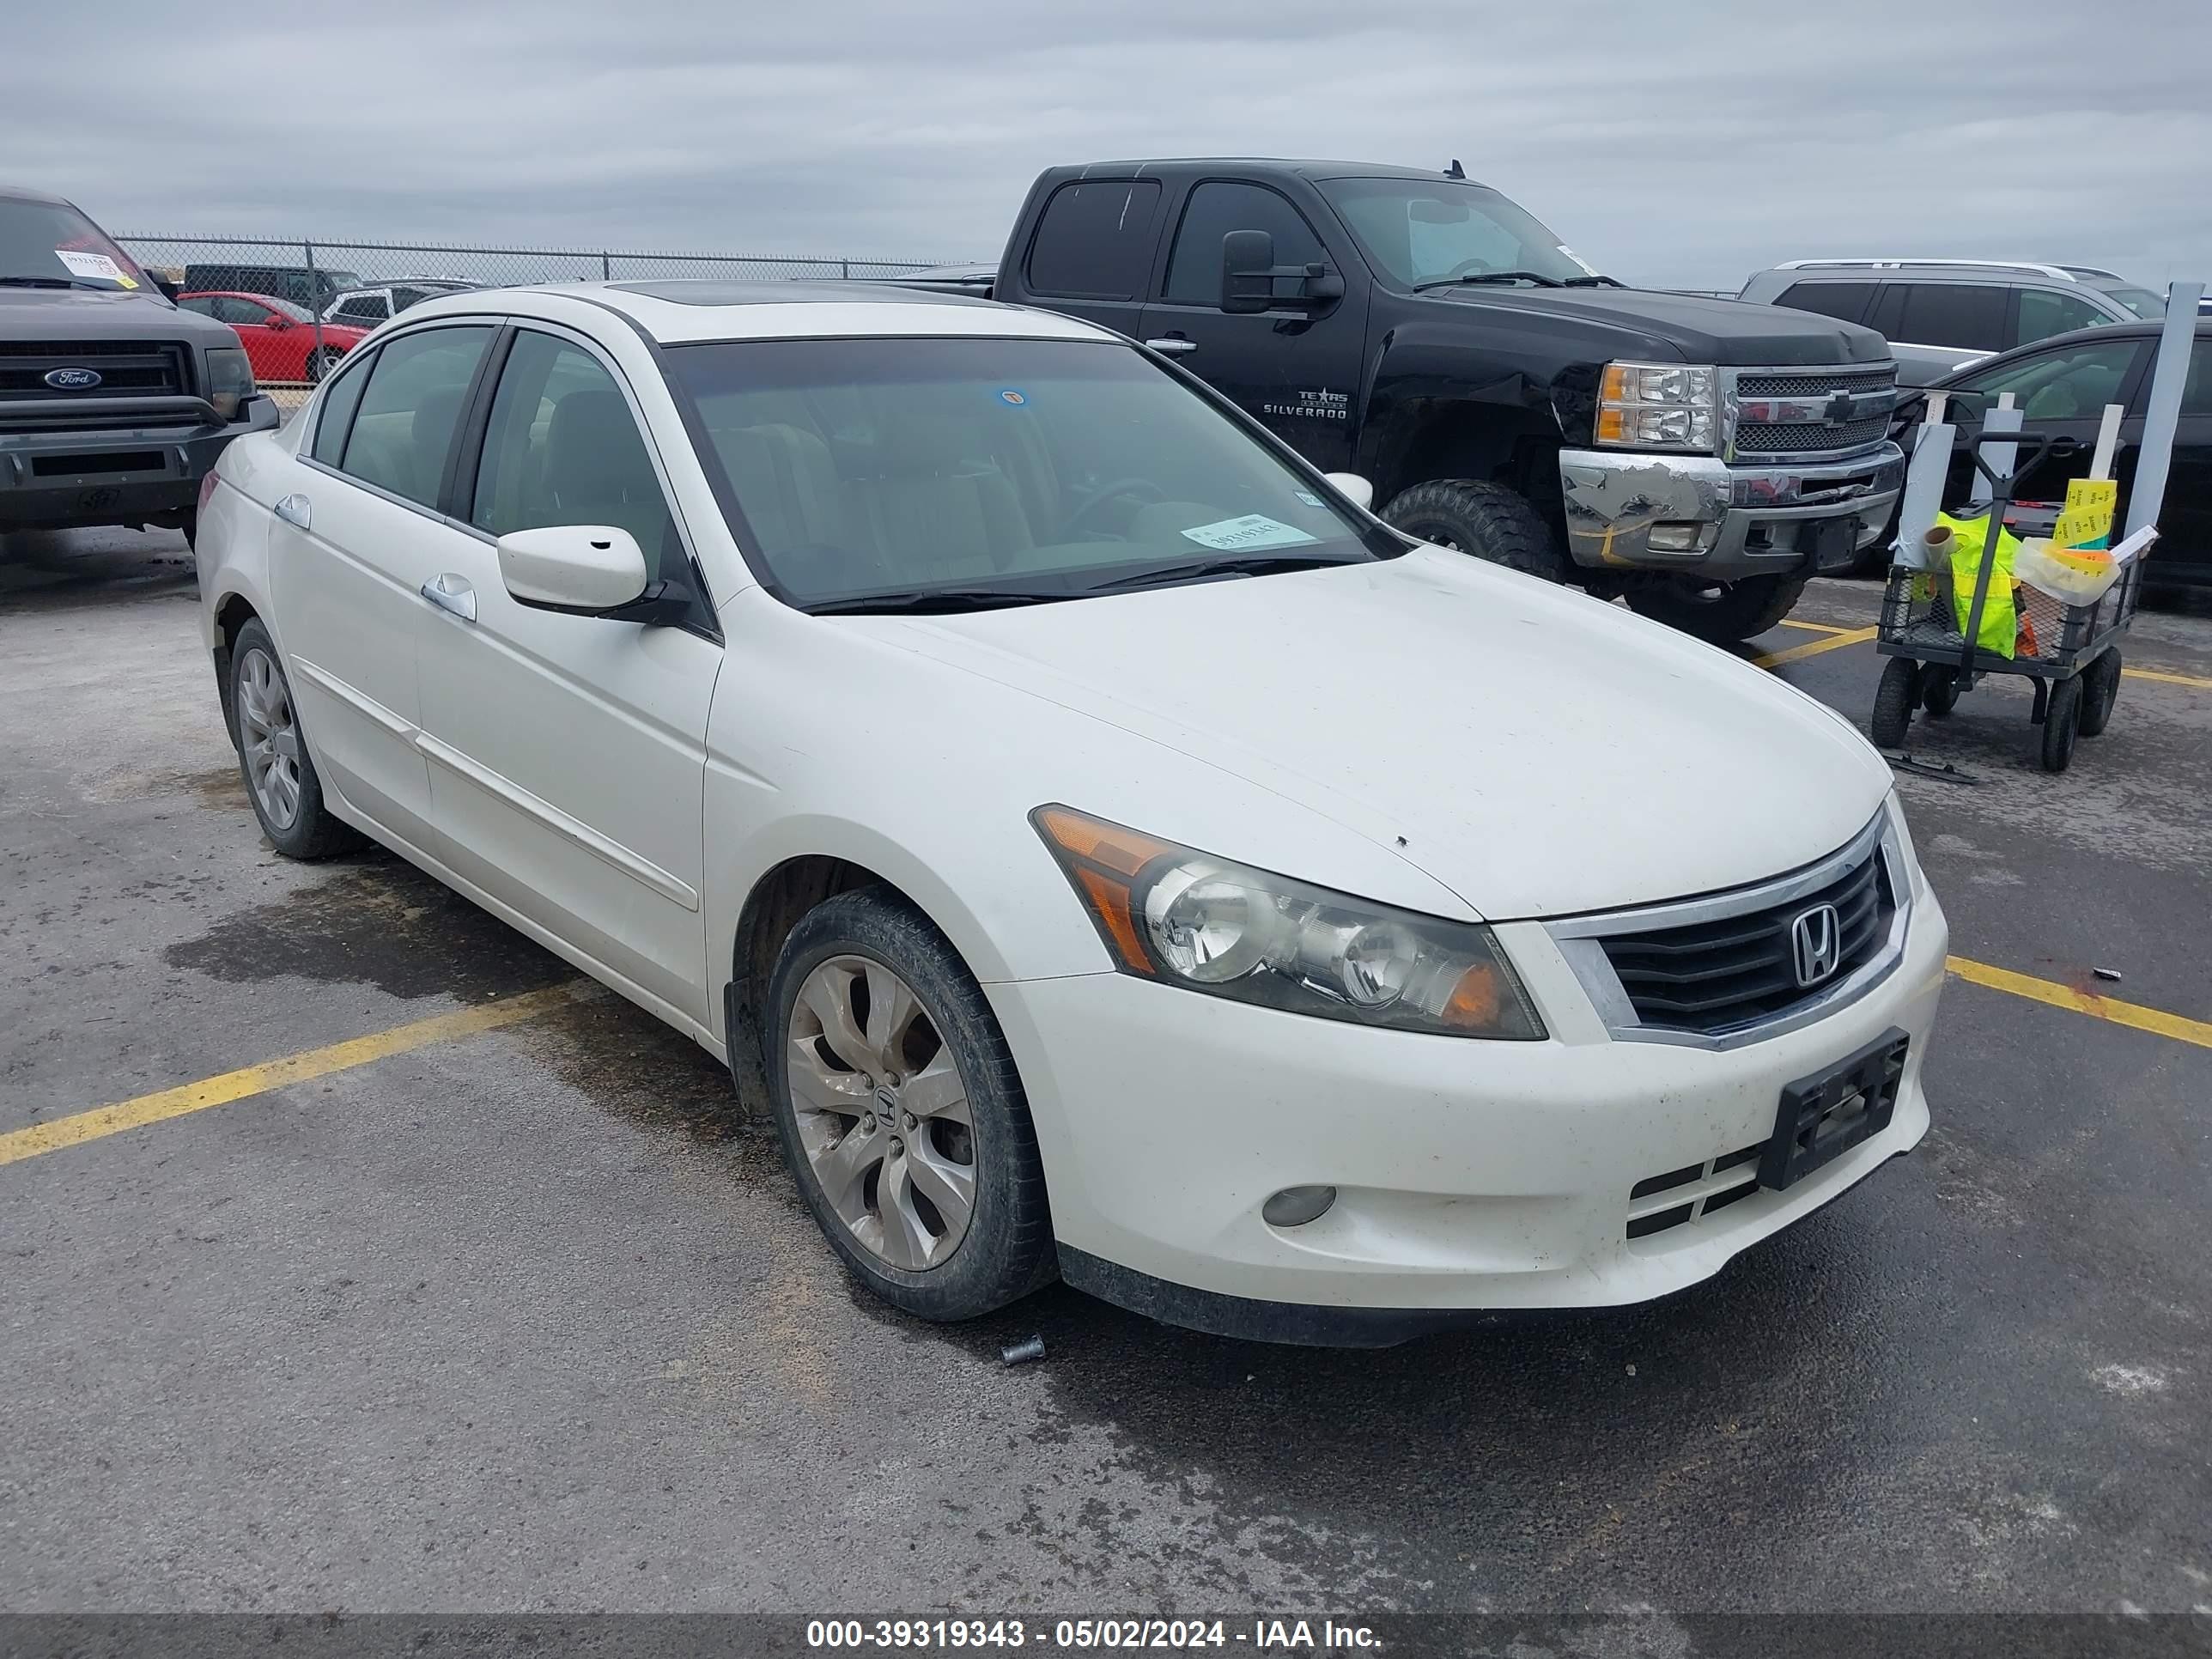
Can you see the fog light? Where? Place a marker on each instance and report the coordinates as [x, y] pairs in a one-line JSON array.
[[1683, 536], [1294, 1207]]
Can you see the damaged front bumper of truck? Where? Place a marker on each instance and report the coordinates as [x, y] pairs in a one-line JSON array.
[[1696, 514]]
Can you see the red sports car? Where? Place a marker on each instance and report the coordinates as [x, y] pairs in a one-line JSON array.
[[279, 336]]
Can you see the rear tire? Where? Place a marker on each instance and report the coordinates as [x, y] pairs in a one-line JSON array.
[[2100, 689], [2062, 724], [1939, 690], [1892, 703], [1721, 614], [321, 363], [935, 1104], [1486, 520], [281, 780]]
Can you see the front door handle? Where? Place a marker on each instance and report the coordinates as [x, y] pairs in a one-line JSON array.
[[452, 594], [292, 510], [1174, 346]]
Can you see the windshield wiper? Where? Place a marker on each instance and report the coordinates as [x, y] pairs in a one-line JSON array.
[[52, 281], [1249, 564], [1536, 276], [1594, 281], [923, 601]]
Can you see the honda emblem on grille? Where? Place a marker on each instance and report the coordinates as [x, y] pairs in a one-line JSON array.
[[72, 379], [1814, 943]]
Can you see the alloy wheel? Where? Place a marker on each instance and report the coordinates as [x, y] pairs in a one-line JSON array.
[[882, 1113], [269, 738]]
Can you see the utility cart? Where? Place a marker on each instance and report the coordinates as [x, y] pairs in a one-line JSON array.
[[2072, 651]]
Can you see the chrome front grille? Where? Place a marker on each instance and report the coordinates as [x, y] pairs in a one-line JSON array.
[[1721, 970], [1806, 413]]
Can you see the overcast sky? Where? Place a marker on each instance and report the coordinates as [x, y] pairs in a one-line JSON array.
[[1681, 143]]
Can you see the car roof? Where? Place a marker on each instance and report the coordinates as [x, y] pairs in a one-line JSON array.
[[25, 193], [1303, 169], [680, 311], [1907, 267]]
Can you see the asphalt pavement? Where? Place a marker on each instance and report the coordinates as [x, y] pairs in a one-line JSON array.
[[528, 1319]]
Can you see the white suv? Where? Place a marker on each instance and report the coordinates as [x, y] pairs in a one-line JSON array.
[[1103, 847]]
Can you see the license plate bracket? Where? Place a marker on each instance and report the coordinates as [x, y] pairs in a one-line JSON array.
[[1835, 543], [1825, 1115]]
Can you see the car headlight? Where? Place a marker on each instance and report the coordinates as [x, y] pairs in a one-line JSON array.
[[1914, 874], [1186, 918], [230, 379], [1656, 406]]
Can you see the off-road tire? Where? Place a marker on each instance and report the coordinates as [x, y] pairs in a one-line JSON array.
[[2100, 689], [315, 831], [1007, 1250], [2062, 724], [1892, 703], [1938, 689], [1486, 520], [1739, 610]]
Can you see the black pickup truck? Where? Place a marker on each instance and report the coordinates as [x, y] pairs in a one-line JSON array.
[[113, 404], [1702, 458]]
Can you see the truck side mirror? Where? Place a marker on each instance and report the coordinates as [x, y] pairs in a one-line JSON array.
[[1248, 271]]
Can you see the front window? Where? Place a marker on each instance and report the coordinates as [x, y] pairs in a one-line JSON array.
[[52, 244], [1424, 231], [2070, 384], [960, 473]]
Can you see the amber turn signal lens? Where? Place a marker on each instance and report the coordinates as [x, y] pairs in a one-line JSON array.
[[1612, 385], [1473, 1003], [1105, 860], [1612, 425]]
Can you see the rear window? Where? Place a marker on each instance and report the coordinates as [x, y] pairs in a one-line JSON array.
[[1846, 301], [50, 244], [1095, 240]]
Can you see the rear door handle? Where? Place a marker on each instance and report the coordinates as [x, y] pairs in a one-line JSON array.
[[292, 510], [452, 594], [1175, 346]]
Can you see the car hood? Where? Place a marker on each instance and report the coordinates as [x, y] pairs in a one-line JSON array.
[[1695, 329], [1537, 752], [39, 314]]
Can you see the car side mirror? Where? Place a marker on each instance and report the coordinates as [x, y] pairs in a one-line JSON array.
[[586, 570], [169, 290], [1252, 282], [1354, 488], [276, 320]]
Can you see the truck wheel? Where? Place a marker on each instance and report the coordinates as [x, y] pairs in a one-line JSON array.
[[272, 754], [1468, 515], [1724, 613], [1892, 703]]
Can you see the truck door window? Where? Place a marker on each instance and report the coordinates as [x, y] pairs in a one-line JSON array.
[[1844, 301], [2044, 312], [1214, 210], [1967, 314], [367, 309], [1095, 240]]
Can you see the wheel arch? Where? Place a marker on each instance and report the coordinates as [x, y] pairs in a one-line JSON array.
[[231, 613], [1440, 438]]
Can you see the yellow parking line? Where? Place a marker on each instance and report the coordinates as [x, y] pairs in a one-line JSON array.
[[137, 1112], [1813, 648], [2154, 1020], [1815, 628], [2169, 679]]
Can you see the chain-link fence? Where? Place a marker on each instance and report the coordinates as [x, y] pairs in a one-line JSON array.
[[300, 306]]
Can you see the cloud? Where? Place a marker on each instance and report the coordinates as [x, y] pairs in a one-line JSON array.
[[1682, 144]]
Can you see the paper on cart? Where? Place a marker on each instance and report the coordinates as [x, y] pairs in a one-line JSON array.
[[2134, 545]]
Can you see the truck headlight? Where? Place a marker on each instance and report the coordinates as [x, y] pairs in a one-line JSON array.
[[1186, 918], [1656, 406], [230, 379]]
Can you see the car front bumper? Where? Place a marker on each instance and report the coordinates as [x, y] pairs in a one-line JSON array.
[[1739, 521], [139, 466], [1472, 1176]]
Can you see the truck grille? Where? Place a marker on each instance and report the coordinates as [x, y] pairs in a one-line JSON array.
[[1710, 977], [127, 369], [1759, 438], [1783, 383]]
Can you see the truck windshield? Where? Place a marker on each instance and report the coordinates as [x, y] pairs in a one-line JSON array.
[[52, 244], [1423, 231], [962, 473]]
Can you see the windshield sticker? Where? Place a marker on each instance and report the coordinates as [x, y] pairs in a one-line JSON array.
[[1589, 270], [1308, 497], [1235, 535], [92, 266], [1012, 399]]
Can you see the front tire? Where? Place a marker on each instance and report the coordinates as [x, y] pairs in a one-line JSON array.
[[281, 780], [900, 1113], [1720, 613], [1488, 521]]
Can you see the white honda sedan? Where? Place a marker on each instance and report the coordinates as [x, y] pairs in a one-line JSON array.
[[1103, 848]]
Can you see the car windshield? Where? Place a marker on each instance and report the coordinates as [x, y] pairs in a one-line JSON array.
[[952, 473], [51, 244], [2141, 301], [1423, 231]]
